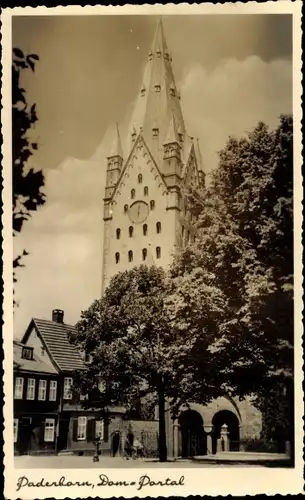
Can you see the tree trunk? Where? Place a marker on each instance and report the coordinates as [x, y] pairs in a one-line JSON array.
[[162, 430]]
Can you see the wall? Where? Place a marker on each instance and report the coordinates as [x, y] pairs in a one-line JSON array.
[[35, 342], [139, 163], [251, 420], [25, 406], [30, 439]]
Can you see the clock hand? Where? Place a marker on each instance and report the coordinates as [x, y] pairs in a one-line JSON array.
[[139, 208]]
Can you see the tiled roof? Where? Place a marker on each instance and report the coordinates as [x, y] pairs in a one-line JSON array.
[[55, 337], [34, 365]]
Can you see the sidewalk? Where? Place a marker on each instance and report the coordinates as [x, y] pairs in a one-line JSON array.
[[240, 457]]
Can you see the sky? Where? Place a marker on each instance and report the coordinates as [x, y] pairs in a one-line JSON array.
[[232, 71]]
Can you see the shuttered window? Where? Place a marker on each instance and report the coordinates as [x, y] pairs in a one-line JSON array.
[[15, 429], [31, 389], [81, 428], [49, 430], [67, 388], [99, 429], [91, 430], [19, 388], [53, 390], [42, 390]]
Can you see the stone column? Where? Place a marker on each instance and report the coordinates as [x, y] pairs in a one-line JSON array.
[[176, 430], [208, 429], [224, 438], [241, 438]]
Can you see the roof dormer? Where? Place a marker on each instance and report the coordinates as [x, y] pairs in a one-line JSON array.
[[27, 352]]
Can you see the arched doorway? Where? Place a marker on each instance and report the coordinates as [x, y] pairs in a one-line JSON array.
[[115, 444], [192, 435], [230, 419]]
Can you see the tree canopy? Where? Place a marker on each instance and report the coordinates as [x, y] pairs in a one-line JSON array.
[[221, 320], [27, 182], [136, 345], [244, 244]]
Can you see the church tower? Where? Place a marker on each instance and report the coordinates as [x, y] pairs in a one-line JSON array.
[[145, 215]]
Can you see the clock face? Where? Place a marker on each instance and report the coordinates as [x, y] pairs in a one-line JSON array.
[[138, 212]]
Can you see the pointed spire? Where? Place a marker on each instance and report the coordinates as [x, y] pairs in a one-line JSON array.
[[172, 135], [116, 146], [159, 45], [198, 155], [156, 105], [180, 133], [201, 172]]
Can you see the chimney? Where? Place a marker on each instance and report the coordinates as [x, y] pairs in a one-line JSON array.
[[58, 315]]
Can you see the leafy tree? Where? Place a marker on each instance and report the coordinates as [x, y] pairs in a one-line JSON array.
[[244, 244], [135, 345], [27, 182]]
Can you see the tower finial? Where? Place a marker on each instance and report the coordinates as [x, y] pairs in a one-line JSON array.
[[172, 136], [116, 146]]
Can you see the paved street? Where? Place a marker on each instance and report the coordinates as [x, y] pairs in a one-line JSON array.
[[76, 462]]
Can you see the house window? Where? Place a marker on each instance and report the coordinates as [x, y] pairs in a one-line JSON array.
[[133, 193], [81, 428], [67, 388], [146, 191], [49, 430], [19, 388], [42, 390], [117, 258], [27, 353], [152, 205], [130, 230], [158, 252], [182, 231], [31, 389], [88, 358], [99, 429], [42, 351], [53, 390], [140, 178], [158, 227], [145, 229], [15, 430], [118, 233], [130, 256], [144, 253], [155, 131], [125, 209]]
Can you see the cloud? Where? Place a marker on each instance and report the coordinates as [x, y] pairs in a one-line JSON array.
[[64, 240], [232, 98], [64, 237]]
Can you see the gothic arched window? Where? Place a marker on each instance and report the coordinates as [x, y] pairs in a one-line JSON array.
[[125, 209], [118, 233], [140, 178], [117, 258], [130, 256], [158, 252], [152, 204], [146, 191], [158, 227], [133, 193], [144, 253], [145, 229], [130, 230]]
